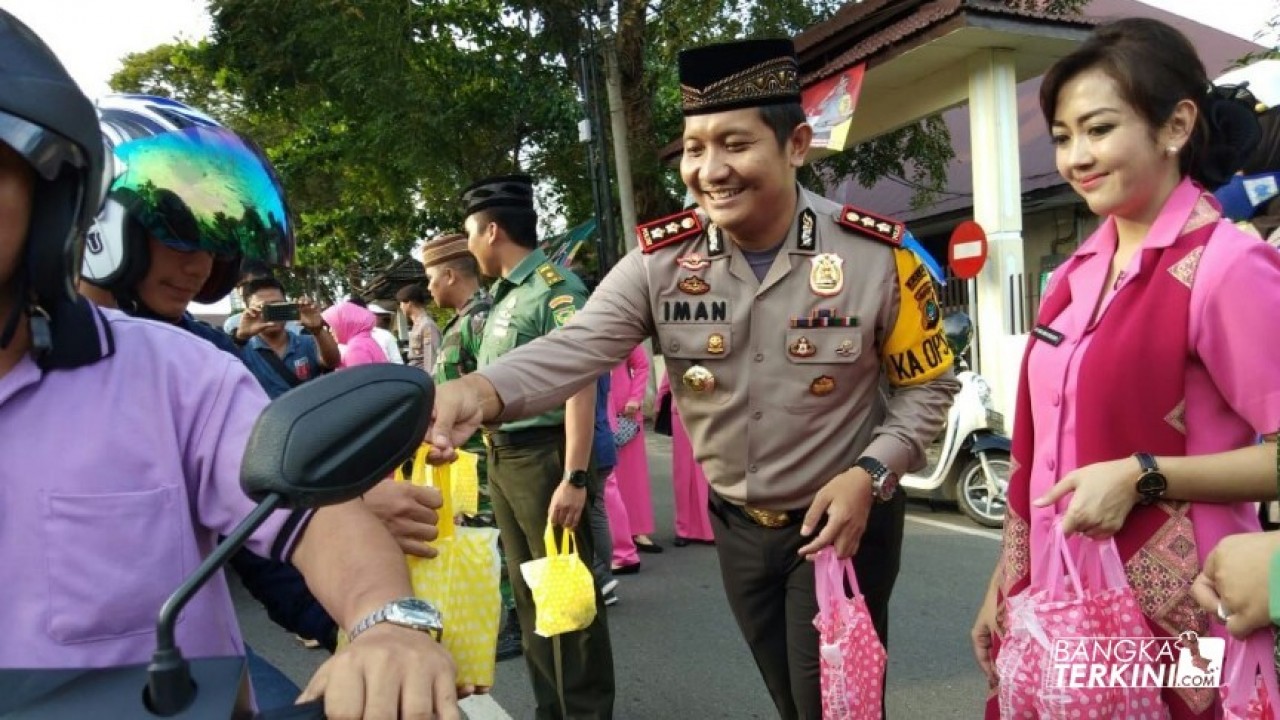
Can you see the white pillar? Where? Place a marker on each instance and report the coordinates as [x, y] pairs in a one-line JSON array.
[[997, 206]]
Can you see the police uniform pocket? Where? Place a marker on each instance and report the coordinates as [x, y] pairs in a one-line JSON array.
[[695, 342], [823, 346], [96, 594], [694, 355]]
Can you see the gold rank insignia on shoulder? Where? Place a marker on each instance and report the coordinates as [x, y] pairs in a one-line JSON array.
[[871, 225], [550, 274], [668, 230]]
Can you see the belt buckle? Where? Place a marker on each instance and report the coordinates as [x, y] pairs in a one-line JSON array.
[[772, 519]]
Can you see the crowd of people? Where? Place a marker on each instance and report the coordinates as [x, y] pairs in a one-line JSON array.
[[1146, 408]]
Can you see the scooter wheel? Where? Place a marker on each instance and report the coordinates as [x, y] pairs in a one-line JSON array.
[[977, 500]]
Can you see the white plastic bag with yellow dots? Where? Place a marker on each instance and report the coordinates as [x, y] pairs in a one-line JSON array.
[[462, 581]]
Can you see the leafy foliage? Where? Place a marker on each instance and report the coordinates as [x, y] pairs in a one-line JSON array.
[[378, 112]]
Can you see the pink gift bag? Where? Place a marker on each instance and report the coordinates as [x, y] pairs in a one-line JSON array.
[[1100, 606], [851, 657], [1249, 687]]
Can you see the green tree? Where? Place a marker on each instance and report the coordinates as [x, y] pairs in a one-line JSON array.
[[377, 112]]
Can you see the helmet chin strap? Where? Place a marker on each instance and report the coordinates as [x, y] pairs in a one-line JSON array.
[[130, 303], [41, 332]]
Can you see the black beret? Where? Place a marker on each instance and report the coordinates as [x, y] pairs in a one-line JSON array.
[[741, 74], [513, 191]]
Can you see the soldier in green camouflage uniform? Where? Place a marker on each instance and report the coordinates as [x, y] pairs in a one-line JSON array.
[[453, 279]]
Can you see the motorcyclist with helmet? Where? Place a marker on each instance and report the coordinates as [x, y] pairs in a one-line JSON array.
[[122, 438], [138, 260]]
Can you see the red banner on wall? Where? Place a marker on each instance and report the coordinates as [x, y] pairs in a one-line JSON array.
[[829, 106]]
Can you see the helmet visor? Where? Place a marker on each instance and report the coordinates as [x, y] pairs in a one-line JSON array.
[[205, 189]]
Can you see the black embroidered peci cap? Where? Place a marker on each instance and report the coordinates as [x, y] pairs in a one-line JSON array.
[[513, 191], [741, 74]]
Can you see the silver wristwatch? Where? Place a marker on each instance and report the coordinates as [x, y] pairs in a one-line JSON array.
[[884, 483], [410, 612]]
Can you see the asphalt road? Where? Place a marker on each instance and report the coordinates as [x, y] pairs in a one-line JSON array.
[[677, 651]]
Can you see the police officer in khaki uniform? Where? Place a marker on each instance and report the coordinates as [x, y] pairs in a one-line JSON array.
[[805, 353], [539, 464]]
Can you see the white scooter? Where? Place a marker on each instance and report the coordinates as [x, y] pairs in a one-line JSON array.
[[969, 462]]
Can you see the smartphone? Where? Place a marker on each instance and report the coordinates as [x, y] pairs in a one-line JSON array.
[[280, 312]]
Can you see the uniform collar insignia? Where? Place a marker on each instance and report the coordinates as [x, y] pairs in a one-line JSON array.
[[807, 230], [715, 241]]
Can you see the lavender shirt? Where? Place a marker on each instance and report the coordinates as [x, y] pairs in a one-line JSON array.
[[115, 481]]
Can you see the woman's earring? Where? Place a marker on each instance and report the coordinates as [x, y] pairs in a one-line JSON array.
[[1172, 150]]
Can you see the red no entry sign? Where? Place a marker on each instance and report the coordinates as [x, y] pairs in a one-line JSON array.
[[968, 250]]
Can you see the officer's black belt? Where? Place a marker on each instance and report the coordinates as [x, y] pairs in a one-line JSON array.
[[530, 436]]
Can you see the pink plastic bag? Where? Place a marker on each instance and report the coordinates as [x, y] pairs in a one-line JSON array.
[[1249, 686], [1064, 608], [851, 657]]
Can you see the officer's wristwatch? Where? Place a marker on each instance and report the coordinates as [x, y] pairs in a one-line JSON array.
[[577, 478], [1151, 484], [884, 483], [409, 612]]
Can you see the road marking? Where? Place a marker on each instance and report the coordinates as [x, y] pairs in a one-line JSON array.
[[483, 707], [989, 534]]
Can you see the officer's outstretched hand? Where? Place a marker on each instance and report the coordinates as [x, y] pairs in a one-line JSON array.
[[846, 502], [457, 414]]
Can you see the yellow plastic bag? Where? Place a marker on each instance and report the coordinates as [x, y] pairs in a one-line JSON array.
[[462, 581], [465, 484], [563, 590]]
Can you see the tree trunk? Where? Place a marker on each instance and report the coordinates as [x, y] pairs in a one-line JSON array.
[[638, 96]]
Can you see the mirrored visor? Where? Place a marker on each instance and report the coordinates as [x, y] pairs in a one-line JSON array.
[[46, 150], [205, 189]]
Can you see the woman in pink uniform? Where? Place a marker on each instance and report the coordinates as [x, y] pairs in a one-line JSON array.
[[628, 384], [688, 484], [1152, 358]]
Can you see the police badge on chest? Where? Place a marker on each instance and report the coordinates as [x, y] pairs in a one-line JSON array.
[[826, 276]]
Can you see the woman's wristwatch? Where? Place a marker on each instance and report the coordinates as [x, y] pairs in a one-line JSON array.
[[1152, 484]]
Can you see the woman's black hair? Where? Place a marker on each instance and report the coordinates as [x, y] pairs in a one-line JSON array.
[[1155, 68]]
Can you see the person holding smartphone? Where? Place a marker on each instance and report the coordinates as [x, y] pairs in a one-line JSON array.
[[280, 358]]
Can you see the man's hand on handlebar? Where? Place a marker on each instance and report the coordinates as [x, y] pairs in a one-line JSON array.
[[388, 672]]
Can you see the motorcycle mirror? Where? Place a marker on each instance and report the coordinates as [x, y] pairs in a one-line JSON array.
[[958, 329], [331, 439]]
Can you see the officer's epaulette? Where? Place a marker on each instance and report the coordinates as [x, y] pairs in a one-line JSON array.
[[871, 225], [668, 230], [550, 274]]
